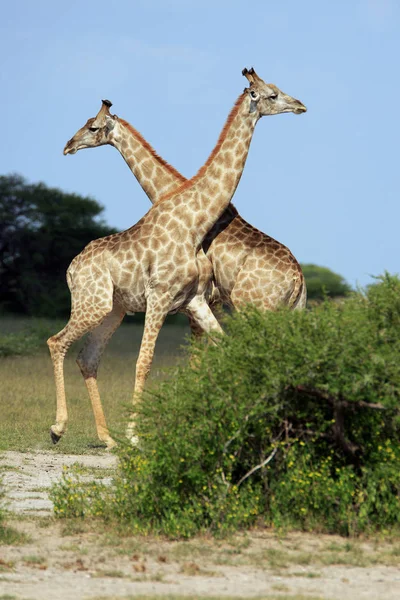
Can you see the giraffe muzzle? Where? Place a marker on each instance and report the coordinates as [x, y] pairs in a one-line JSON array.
[[299, 108], [69, 149]]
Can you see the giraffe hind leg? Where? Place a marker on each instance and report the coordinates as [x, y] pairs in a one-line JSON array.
[[58, 345], [88, 361]]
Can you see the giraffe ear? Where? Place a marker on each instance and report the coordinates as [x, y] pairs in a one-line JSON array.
[[254, 98], [253, 106]]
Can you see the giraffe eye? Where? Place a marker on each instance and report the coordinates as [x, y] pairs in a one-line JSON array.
[[93, 129], [254, 95], [273, 97]]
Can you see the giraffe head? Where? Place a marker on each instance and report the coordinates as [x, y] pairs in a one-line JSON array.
[[267, 99], [96, 131]]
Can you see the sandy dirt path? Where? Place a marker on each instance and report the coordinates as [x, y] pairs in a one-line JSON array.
[[78, 563], [27, 477]]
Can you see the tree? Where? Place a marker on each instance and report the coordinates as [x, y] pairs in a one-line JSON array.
[[41, 230], [322, 282]]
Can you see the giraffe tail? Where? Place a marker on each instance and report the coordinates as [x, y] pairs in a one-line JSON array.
[[299, 295]]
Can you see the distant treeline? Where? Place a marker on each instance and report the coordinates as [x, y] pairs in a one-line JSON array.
[[42, 229]]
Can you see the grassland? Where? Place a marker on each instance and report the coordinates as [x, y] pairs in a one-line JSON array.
[[27, 391]]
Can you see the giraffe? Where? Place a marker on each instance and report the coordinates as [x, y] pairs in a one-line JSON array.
[[247, 265], [154, 174], [153, 266]]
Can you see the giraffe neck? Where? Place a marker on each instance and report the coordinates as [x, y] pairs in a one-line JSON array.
[[153, 173], [207, 195]]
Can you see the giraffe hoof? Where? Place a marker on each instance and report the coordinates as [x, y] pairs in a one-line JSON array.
[[55, 438], [110, 444]]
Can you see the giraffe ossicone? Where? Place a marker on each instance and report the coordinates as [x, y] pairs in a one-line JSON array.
[[153, 267]]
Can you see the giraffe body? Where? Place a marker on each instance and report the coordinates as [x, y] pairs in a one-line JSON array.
[[154, 265], [251, 267]]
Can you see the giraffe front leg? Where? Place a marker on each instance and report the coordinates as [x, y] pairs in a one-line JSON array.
[[195, 329], [204, 290], [203, 316], [200, 325], [157, 310]]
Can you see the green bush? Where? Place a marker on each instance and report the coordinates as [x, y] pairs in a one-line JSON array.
[[292, 420]]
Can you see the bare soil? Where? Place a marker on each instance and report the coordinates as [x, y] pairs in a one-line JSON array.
[[73, 561]]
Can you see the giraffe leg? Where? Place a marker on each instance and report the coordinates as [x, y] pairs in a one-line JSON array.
[[195, 329], [203, 321], [88, 361], [197, 326], [203, 316], [198, 331], [157, 310], [58, 345]]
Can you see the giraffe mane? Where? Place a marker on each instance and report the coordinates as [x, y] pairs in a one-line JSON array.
[[150, 148], [189, 182]]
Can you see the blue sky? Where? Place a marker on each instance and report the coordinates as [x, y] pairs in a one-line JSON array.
[[326, 183]]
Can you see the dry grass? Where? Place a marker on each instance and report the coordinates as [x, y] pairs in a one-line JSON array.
[[27, 394], [260, 550], [289, 564], [186, 597], [34, 560], [9, 536]]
